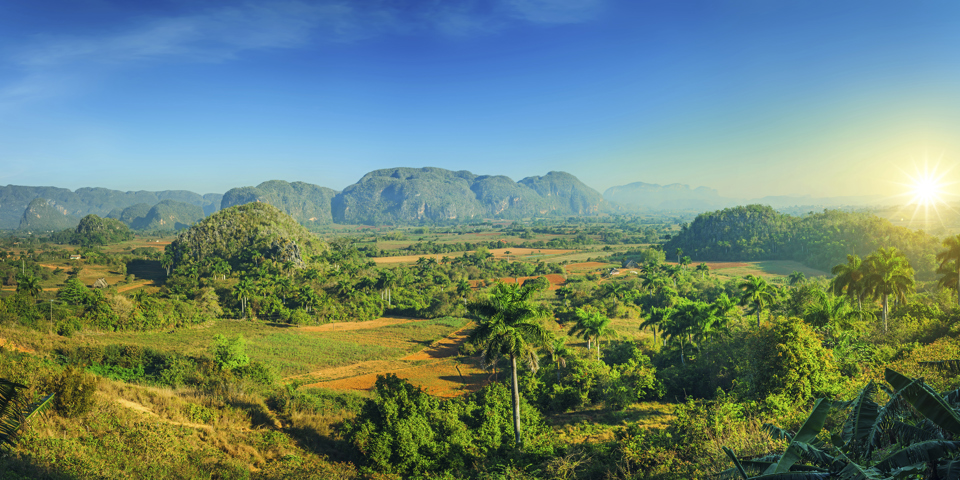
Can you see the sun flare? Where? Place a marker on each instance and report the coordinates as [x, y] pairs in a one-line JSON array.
[[927, 191]]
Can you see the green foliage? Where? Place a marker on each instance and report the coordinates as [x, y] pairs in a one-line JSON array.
[[94, 230], [820, 240], [788, 359], [74, 392], [405, 431], [230, 354], [15, 410]]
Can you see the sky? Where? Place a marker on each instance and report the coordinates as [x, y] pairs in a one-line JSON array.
[[750, 97]]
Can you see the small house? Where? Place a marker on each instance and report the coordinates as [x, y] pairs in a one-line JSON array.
[[100, 283], [74, 257]]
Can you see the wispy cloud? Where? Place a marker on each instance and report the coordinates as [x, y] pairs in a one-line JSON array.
[[223, 34]]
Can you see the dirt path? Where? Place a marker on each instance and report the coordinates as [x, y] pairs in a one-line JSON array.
[[132, 286], [435, 369], [142, 409], [13, 346], [344, 326]]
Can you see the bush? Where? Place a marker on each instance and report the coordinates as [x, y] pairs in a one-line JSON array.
[[74, 392], [230, 354], [788, 359]]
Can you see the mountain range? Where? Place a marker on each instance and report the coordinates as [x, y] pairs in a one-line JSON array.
[[394, 196], [387, 196]]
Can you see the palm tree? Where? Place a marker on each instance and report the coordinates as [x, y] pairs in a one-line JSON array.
[[592, 325], [243, 290], [15, 411], [849, 278], [559, 354], [888, 273], [685, 261], [757, 293], [797, 277], [654, 321], [508, 323], [704, 269], [29, 285], [679, 254], [950, 264]]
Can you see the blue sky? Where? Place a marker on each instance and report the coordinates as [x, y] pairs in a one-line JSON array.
[[752, 97]]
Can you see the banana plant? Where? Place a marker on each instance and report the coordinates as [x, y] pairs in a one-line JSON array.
[[915, 434], [15, 411]]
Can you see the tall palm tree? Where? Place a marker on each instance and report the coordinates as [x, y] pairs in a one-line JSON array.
[[592, 325], [757, 293], [849, 279], [704, 269], [15, 410], [559, 353], [29, 285], [796, 277], [679, 254], [508, 323], [950, 264], [888, 273]]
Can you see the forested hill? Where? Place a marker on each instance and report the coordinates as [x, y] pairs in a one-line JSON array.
[[414, 195], [819, 240], [14, 200]]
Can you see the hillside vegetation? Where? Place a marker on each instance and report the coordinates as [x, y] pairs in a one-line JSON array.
[[307, 203], [44, 215], [428, 195], [819, 240]]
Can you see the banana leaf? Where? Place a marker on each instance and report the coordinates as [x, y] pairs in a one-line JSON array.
[[926, 401], [949, 469], [929, 452], [807, 433]]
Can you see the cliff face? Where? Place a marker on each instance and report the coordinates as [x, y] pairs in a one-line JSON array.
[[410, 195], [43, 215], [84, 201]]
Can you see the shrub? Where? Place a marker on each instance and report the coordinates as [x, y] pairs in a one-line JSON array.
[[74, 392], [230, 354]]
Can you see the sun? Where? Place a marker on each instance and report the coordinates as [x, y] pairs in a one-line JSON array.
[[927, 191]]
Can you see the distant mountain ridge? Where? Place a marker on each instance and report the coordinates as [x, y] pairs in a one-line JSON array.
[[429, 194], [14, 200], [387, 196]]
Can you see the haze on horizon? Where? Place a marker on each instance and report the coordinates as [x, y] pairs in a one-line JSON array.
[[752, 98]]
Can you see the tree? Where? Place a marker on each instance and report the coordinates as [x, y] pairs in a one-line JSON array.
[[679, 254], [508, 323], [950, 264], [797, 277], [704, 269], [559, 353], [757, 293], [15, 410], [685, 261], [243, 290], [28, 285], [592, 325], [849, 278], [888, 273]]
